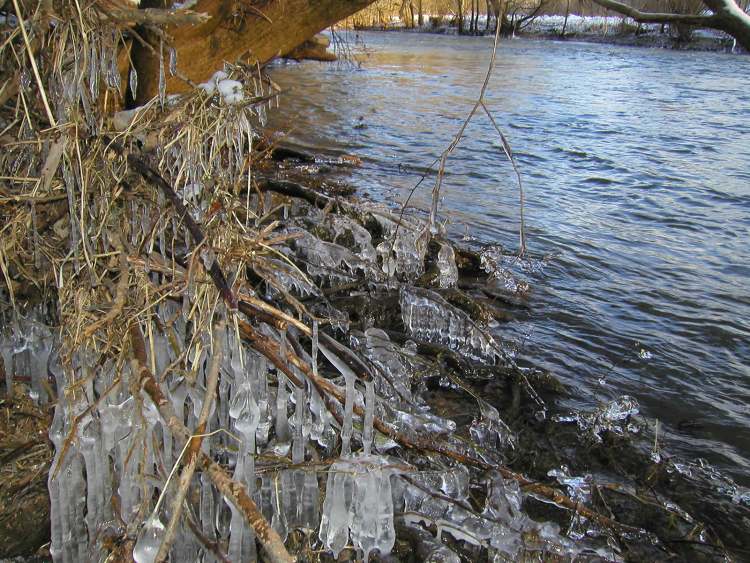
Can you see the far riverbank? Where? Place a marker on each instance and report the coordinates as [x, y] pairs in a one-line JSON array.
[[589, 29]]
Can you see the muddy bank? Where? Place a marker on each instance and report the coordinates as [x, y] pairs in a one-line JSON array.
[[25, 458]]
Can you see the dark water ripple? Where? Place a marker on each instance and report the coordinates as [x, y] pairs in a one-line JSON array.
[[637, 169]]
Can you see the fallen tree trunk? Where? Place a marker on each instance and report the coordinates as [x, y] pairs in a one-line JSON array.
[[726, 16], [254, 32]]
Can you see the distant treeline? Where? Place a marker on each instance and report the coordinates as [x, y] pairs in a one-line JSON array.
[[476, 16]]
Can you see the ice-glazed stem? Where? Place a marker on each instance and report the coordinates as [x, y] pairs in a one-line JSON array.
[[369, 416], [346, 430], [298, 446], [282, 420], [237, 494], [194, 447], [314, 353]]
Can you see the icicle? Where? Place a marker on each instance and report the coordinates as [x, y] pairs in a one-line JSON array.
[[334, 522], [56, 436], [369, 416], [6, 350], [236, 529], [95, 495], [133, 82], [75, 538], [207, 507], [446, 263], [315, 347], [162, 77], [113, 75], [172, 61], [149, 540], [245, 411], [346, 430], [320, 430], [298, 445], [282, 421], [310, 500], [278, 518], [358, 501], [94, 69]]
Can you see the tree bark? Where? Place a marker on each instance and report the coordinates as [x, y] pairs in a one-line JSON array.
[[727, 16], [253, 31]]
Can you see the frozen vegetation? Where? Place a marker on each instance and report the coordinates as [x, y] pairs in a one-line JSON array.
[[241, 372]]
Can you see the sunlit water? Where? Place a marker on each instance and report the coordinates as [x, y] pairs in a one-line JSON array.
[[636, 165]]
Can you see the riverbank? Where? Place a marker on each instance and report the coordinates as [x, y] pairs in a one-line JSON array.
[[606, 30], [471, 446], [236, 358]]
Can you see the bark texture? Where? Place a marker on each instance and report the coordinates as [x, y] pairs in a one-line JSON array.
[[254, 31]]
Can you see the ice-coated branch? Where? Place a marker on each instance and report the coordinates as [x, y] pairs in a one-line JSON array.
[[231, 489], [191, 461], [429, 443]]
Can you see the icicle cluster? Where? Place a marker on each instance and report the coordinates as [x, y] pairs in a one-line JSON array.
[[26, 351], [427, 316], [332, 262], [502, 526], [404, 249], [358, 507]]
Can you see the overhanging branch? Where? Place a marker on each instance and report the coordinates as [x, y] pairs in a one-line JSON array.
[[648, 17]]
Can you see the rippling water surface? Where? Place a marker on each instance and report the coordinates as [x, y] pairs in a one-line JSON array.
[[636, 165]]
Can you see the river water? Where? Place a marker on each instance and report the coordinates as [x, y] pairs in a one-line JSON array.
[[636, 165]]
